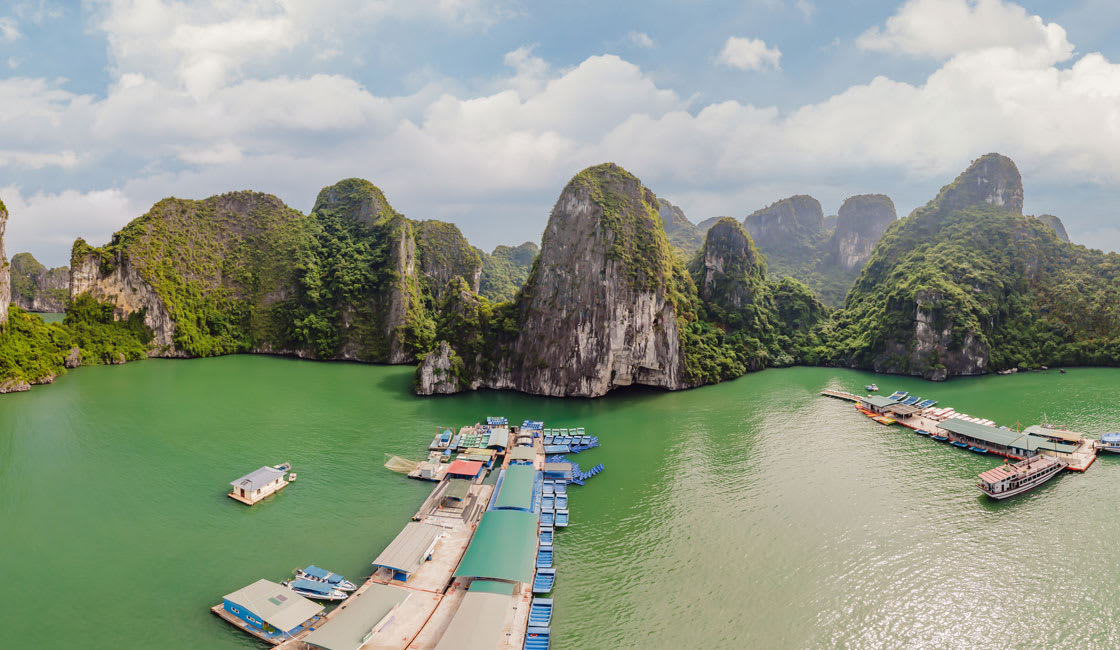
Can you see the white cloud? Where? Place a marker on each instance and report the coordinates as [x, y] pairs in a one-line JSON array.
[[943, 28], [749, 54], [494, 159], [640, 39], [9, 30]]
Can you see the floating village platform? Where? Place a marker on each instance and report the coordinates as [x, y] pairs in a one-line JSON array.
[[461, 574], [976, 434]]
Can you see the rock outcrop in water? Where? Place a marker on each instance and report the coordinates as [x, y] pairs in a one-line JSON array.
[[596, 313], [37, 288], [5, 269]]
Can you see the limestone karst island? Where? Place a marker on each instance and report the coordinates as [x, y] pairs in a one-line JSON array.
[[500, 325]]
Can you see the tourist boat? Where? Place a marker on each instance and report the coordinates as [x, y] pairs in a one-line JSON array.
[[1109, 442], [318, 574], [283, 467], [315, 590], [871, 388], [1011, 479]]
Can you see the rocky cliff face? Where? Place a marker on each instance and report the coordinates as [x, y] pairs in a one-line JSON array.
[[992, 179], [860, 223], [728, 269], [5, 270], [596, 312], [704, 225], [444, 253], [793, 221], [1056, 224], [680, 231], [118, 281], [37, 288]]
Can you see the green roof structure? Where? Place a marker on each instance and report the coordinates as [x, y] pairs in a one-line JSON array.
[[457, 488], [523, 453], [503, 548], [1004, 437], [492, 587], [517, 488]]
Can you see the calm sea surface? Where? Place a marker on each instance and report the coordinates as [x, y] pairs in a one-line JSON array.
[[752, 514]]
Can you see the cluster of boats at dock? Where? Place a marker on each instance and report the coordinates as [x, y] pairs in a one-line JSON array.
[[1033, 456], [473, 571]]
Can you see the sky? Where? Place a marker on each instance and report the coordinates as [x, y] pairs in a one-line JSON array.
[[479, 111]]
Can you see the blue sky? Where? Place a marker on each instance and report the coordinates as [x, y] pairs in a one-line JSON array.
[[478, 111]]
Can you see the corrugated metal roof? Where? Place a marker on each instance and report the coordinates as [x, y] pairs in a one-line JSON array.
[[257, 478], [347, 628], [477, 625], [408, 550], [499, 437], [504, 547], [275, 604], [522, 453], [1004, 437], [464, 468], [517, 488]]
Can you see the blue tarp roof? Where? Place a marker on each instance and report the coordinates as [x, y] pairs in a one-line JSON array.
[[322, 574], [310, 585]]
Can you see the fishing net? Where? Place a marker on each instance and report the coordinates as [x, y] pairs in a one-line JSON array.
[[400, 465]]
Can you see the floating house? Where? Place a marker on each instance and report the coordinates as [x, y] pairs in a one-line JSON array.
[[484, 456], [522, 455], [269, 611], [1005, 442], [257, 485], [468, 469], [877, 403], [359, 618], [558, 471], [411, 548], [499, 437]]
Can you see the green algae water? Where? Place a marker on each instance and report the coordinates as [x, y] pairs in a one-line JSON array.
[[752, 514]]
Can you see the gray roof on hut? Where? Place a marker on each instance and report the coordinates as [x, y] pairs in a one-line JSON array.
[[347, 629], [257, 479], [279, 606], [408, 550]]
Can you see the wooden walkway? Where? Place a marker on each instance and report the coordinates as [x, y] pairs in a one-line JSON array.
[[839, 394]]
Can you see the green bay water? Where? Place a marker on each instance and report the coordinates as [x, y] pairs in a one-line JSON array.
[[751, 514]]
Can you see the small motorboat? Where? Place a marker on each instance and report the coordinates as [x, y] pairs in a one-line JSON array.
[[871, 388], [283, 467], [291, 477], [317, 574], [315, 590]]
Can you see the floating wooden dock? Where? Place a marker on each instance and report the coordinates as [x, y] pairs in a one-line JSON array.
[[839, 394]]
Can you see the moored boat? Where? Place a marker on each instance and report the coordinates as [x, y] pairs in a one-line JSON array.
[[1011, 479], [871, 388], [315, 590], [1109, 442], [318, 574], [283, 467]]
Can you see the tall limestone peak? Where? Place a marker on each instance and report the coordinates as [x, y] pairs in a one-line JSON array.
[[681, 232], [729, 269], [792, 221], [596, 309], [860, 222], [356, 198], [5, 269], [993, 179], [1056, 224]]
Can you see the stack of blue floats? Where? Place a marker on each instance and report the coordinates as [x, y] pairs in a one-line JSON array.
[[553, 499]]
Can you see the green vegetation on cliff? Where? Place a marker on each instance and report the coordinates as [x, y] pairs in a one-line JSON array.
[[30, 350], [35, 284], [505, 270], [959, 288]]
